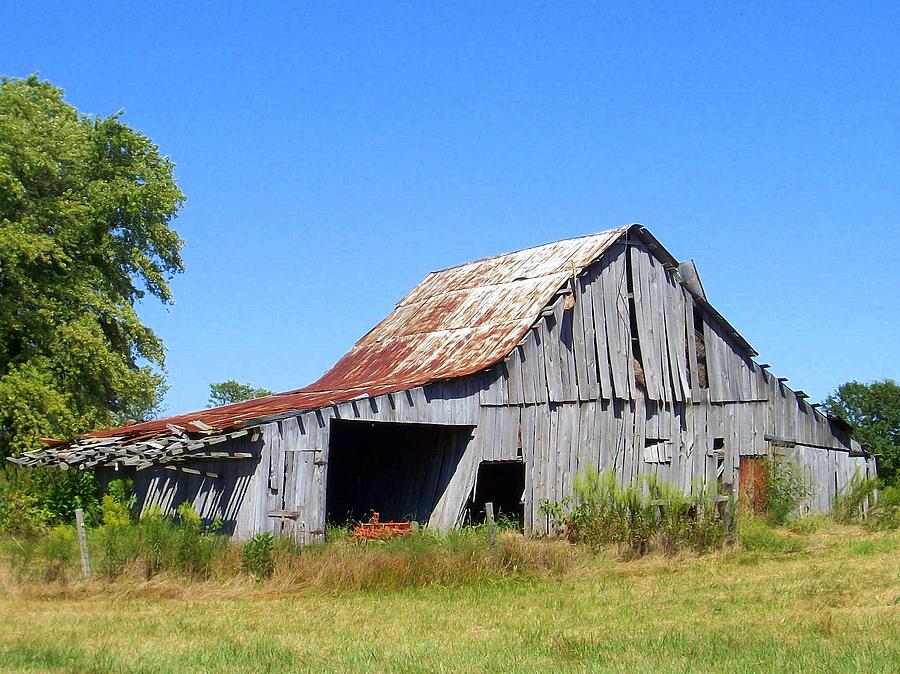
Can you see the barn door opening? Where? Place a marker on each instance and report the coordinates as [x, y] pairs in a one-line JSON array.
[[398, 470], [503, 484]]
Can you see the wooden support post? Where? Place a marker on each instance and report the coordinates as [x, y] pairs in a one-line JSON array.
[[491, 527], [82, 543], [728, 512]]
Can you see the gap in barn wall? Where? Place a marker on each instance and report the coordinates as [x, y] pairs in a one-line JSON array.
[[503, 484], [399, 470]]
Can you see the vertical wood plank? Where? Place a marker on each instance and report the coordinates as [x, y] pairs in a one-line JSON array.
[[514, 370], [601, 341], [591, 389]]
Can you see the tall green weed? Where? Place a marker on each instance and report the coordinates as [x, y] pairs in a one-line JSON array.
[[850, 503], [257, 556], [785, 489], [639, 517], [885, 514], [867, 501]]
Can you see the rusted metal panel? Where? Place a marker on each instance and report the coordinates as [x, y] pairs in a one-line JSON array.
[[456, 322], [753, 478]]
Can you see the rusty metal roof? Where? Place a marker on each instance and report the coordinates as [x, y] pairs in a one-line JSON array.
[[454, 323]]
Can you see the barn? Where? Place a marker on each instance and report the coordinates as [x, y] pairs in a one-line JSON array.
[[497, 380]]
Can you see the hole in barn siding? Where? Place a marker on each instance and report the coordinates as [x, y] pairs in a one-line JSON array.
[[501, 483], [702, 374]]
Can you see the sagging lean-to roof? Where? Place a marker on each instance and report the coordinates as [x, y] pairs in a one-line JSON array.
[[456, 322]]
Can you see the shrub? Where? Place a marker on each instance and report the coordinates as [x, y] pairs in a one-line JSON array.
[[557, 512], [157, 540], [883, 504], [58, 551], [122, 491], [257, 556], [509, 523], [32, 500], [116, 539], [195, 547], [155, 543], [785, 489], [63, 491], [23, 514], [639, 517], [114, 512], [687, 521], [115, 546]]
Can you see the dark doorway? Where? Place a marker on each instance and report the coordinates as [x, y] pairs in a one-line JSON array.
[[395, 469], [502, 483]]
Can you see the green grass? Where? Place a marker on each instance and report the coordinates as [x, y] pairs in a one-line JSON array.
[[831, 604], [756, 536]]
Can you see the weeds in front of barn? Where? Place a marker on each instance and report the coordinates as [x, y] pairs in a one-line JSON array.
[[127, 551], [607, 520], [640, 517]]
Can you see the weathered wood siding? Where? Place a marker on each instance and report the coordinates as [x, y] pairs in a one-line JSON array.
[[608, 378], [230, 495], [289, 475], [584, 400]]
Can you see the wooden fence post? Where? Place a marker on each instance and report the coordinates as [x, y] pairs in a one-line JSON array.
[[82, 543], [489, 519]]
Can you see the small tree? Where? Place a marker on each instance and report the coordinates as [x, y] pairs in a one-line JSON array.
[[874, 412], [231, 391]]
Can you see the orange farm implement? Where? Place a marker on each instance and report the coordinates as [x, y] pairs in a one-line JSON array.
[[377, 530]]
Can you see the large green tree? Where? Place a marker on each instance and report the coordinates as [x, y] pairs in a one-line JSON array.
[[231, 391], [85, 208], [874, 412]]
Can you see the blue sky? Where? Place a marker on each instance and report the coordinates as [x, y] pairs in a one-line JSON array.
[[333, 156]]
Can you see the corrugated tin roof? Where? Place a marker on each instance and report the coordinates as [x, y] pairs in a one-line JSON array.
[[456, 322]]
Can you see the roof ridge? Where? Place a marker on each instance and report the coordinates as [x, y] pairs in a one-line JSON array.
[[602, 232]]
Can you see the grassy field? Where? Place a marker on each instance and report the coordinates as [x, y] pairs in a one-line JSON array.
[[832, 606]]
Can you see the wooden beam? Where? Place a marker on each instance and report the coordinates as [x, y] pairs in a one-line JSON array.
[[192, 471], [792, 442]]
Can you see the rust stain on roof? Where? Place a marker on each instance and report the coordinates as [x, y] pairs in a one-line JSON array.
[[456, 322]]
